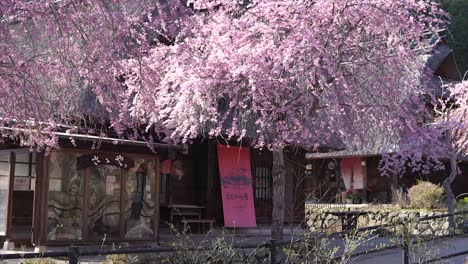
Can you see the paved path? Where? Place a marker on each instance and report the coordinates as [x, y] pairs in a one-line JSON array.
[[426, 250], [430, 249]]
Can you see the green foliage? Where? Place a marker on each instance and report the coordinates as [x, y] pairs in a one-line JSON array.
[[425, 195], [220, 250], [462, 204], [39, 261], [328, 249], [458, 38], [117, 259]]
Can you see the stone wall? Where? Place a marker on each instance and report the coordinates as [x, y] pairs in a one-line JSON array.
[[321, 218]]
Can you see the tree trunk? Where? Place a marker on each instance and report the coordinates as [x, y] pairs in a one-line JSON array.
[[448, 188], [278, 175]]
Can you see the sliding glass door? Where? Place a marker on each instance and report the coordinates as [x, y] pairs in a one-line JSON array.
[[101, 196]]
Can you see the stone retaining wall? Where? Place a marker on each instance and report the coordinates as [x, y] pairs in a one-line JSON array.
[[321, 218]]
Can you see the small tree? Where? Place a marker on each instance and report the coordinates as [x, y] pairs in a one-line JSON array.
[[443, 139], [454, 124]]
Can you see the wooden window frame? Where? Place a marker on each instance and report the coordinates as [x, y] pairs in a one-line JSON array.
[[42, 224]]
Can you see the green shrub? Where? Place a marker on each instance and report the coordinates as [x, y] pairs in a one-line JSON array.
[[39, 261], [425, 195], [462, 203], [117, 259]]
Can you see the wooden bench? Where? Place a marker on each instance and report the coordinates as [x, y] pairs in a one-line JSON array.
[[183, 210], [200, 222]]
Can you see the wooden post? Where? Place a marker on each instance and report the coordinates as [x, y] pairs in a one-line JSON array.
[[86, 195], [73, 255], [406, 240], [272, 251], [364, 165], [44, 213], [405, 254], [123, 199], [11, 185], [157, 195], [38, 199]]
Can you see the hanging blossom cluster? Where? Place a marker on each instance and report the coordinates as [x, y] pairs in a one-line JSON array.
[[278, 72], [287, 72], [58, 63]]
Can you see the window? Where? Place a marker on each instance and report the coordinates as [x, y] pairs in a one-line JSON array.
[[25, 171], [65, 201], [263, 186], [263, 182]]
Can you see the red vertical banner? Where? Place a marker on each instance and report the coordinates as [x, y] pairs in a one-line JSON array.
[[352, 172], [236, 186]]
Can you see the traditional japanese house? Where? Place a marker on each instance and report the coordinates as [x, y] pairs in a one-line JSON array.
[[79, 194], [331, 174], [121, 191]]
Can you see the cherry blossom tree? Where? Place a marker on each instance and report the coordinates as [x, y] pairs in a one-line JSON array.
[[280, 73], [442, 139], [60, 60]]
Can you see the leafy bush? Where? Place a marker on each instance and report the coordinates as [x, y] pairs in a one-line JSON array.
[[425, 195], [218, 250], [223, 249], [117, 259], [462, 203], [39, 261]]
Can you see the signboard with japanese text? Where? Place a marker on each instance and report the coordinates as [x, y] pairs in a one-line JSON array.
[[22, 183], [236, 186]]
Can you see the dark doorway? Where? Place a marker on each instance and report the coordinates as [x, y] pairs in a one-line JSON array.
[[21, 179], [261, 163]]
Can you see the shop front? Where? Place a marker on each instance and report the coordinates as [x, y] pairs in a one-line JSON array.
[[78, 196], [123, 193], [99, 196]]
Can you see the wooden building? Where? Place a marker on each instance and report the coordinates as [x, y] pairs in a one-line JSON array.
[[330, 174], [124, 192]]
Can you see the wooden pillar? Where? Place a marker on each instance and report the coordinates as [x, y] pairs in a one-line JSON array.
[[39, 224], [43, 199], [364, 163], [11, 184], [123, 198], [36, 228], [86, 194], [157, 214]]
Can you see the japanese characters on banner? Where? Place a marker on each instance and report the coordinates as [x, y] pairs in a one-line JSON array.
[[236, 186]]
